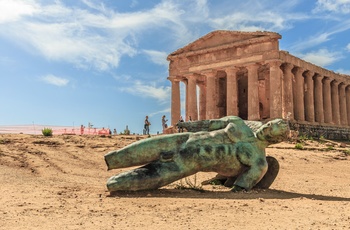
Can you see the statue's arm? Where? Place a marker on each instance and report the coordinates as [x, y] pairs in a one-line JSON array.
[[249, 155]]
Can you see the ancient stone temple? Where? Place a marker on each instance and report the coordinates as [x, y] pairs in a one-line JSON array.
[[245, 74]]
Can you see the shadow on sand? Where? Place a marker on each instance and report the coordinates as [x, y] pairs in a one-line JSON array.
[[204, 194]]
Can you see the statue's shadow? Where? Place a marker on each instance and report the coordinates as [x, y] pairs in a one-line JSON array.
[[205, 194]]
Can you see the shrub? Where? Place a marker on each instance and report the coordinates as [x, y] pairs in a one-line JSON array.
[[189, 184], [347, 152], [322, 140], [47, 132], [299, 146]]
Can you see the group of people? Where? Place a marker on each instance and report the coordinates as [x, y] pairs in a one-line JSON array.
[[96, 131], [147, 124]]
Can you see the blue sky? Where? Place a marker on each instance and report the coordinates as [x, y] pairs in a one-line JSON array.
[[68, 63]]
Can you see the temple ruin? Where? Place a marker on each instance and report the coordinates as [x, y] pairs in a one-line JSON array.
[[246, 75]]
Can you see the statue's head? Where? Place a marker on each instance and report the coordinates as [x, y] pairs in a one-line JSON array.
[[273, 131]]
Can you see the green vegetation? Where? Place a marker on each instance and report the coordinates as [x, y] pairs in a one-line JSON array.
[[47, 132], [299, 146], [347, 152], [4, 141], [189, 184], [322, 139]]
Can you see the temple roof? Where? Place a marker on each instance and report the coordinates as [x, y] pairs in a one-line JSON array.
[[224, 37]]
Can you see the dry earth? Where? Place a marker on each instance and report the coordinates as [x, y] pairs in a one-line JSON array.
[[59, 183]]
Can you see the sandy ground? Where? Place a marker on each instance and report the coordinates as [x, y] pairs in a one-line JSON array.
[[59, 183]]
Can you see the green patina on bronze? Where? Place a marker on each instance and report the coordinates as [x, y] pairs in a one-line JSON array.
[[230, 146]]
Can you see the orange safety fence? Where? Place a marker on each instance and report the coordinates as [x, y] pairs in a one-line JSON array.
[[56, 130]]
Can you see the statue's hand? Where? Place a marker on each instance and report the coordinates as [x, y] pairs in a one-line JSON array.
[[237, 188]]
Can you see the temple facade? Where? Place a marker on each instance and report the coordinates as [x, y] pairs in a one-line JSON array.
[[246, 75]]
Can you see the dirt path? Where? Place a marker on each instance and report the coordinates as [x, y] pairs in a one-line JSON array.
[[59, 183]]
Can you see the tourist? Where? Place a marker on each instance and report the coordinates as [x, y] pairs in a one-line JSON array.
[[82, 129], [164, 123], [146, 126], [180, 130]]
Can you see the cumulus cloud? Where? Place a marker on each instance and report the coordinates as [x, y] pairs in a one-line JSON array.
[[160, 93], [336, 6], [96, 36], [13, 10], [322, 57], [82, 36], [54, 80]]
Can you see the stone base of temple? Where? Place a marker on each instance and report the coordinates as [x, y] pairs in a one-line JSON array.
[[170, 130], [331, 132]]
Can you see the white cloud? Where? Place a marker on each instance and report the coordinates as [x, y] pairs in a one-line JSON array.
[[97, 38], [321, 57], [253, 15], [311, 41], [13, 10], [157, 57], [167, 110], [160, 93], [320, 38], [348, 47], [336, 6], [53, 80], [343, 71]]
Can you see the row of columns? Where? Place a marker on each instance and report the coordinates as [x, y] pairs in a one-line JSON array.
[[293, 91], [319, 98], [208, 93]]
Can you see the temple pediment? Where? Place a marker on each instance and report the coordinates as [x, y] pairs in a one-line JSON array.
[[222, 37]]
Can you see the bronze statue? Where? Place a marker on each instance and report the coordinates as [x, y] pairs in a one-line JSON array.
[[228, 146]]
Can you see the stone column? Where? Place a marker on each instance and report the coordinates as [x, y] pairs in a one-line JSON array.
[[335, 102], [275, 89], [342, 105], [202, 101], [175, 100], [327, 100], [318, 96], [253, 92], [347, 91], [186, 98], [288, 91], [191, 99], [309, 97], [298, 94], [210, 98], [232, 97]]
